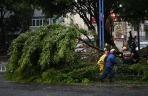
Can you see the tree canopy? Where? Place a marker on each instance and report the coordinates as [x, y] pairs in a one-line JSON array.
[[134, 10], [126, 9], [14, 16]]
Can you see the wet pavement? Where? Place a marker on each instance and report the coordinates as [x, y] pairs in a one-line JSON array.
[[9, 88]]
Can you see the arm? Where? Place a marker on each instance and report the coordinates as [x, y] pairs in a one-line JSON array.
[[114, 61]]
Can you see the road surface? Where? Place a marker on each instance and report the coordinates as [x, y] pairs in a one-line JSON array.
[[9, 88]]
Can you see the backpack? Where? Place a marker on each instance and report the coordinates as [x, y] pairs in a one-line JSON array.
[[127, 54]]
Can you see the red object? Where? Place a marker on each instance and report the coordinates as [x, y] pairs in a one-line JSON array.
[[106, 52], [93, 20]]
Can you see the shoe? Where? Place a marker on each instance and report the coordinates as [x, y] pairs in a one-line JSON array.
[[101, 80]]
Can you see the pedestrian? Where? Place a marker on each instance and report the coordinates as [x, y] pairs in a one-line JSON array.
[[101, 62], [110, 60]]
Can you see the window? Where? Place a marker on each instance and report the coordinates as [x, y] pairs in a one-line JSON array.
[[33, 22], [38, 21]]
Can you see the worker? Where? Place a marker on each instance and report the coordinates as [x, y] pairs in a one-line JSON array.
[[127, 55], [101, 62]]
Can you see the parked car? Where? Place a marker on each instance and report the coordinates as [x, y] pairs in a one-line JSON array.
[[142, 45]]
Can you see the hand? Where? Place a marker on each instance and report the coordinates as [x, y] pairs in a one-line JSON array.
[[120, 54]]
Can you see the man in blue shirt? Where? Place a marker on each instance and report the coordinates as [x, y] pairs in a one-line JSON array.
[[110, 60]]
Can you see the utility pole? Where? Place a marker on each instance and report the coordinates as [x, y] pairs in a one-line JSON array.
[[101, 24]]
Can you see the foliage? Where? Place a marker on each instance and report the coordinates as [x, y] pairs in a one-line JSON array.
[[15, 17], [141, 69], [128, 10], [48, 55], [136, 72], [85, 7], [72, 74], [20, 20], [138, 10], [81, 7]]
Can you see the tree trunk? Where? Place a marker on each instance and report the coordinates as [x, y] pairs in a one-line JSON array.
[[2, 30]]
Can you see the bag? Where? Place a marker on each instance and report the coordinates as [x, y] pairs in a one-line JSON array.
[[127, 54]]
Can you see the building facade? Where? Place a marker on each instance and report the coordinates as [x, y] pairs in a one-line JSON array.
[[39, 19]]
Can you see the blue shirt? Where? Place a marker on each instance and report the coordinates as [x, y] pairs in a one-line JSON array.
[[110, 60]]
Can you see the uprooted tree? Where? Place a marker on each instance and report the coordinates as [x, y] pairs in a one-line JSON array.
[[36, 54]]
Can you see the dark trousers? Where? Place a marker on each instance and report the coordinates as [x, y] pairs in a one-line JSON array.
[[126, 61], [108, 70]]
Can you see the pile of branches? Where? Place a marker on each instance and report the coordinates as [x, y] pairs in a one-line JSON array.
[[143, 52]]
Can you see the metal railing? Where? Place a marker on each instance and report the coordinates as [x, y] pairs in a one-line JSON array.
[[3, 66]]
